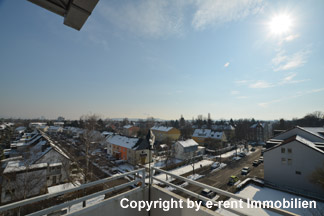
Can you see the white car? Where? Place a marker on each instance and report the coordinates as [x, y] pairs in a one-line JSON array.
[[215, 165], [245, 171]]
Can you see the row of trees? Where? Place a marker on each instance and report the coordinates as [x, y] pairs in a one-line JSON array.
[[315, 119]]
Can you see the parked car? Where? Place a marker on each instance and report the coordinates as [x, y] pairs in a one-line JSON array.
[[237, 158], [232, 180], [261, 159], [262, 151], [207, 193], [241, 154], [245, 171], [252, 149], [215, 165], [256, 163]]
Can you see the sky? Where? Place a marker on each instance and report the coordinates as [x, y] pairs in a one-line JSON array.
[[164, 58]]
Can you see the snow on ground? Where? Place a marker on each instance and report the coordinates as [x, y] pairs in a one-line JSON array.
[[126, 167], [232, 153], [191, 177], [160, 162], [62, 187], [221, 166], [184, 169], [89, 202], [195, 177], [262, 194]]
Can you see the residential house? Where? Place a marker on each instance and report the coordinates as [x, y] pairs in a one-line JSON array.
[[132, 150], [58, 124], [292, 160], [35, 156], [37, 124], [228, 129], [20, 129], [20, 180], [200, 135], [130, 130], [259, 133], [163, 133], [187, 149], [55, 129]]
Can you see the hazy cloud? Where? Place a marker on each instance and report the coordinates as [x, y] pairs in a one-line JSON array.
[[288, 38], [211, 12], [296, 95], [235, 92], [241, 82], [286, 62], [261, 84], [152, 18], [159, 18], [291, 37], [226, 64], [289, 79]]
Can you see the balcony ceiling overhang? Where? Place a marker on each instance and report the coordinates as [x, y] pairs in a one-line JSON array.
[[75, 12]]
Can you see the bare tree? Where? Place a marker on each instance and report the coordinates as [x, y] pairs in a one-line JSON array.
[[317, 177], [192, 160], [26, 181], [90, 140], [169, 153]]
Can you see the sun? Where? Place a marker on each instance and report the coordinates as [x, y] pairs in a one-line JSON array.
[[280, 24]]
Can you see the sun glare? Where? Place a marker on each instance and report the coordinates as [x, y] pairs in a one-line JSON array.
[[280, 24]]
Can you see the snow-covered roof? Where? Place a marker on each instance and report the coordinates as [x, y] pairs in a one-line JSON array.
[[308, 143], [188, 143], [128, 126], [21, 128], [55, 147], [16, 166], [55, 164], [319, 131], [105, 133], [55, 128], [222, 127], [37, 151], [161, 128], [61, 187], [207, 133], [123, 141], [300, 140], [258, 124]]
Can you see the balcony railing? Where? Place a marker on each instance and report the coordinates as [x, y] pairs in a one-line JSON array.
[[46, 211], [140, 178], [217, 190]]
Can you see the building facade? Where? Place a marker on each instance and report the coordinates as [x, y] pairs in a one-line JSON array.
[[292, 162], [162, 133]]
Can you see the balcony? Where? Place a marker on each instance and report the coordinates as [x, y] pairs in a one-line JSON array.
[[140, 192]]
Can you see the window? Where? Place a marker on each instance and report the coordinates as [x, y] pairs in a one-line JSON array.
[[289, 150], [298, 173], [283, 160], [283, 150], [289, 161]]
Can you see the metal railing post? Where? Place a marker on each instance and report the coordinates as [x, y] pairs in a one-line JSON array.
[[143, 178]]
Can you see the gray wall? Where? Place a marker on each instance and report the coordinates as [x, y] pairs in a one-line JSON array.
[[304, 160], [112, 206]]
